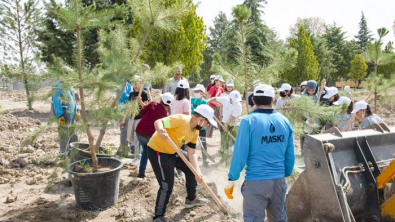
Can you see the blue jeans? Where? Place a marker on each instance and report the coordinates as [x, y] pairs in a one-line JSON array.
[[144, 158]]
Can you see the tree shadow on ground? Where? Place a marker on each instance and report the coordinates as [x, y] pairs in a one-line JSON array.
[[42, 116]]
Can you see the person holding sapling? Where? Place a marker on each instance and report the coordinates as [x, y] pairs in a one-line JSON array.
[[363, 113], [285, 96], [264, 144], [171, 84], [345, 115], [181, 129], [181, 104], [231, 110], [142, 101], [145, 129], [197, 100], [64, 107]]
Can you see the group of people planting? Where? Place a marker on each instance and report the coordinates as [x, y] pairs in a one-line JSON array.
[[264, 145]]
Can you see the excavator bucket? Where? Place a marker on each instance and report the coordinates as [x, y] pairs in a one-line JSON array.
[[339, 182]]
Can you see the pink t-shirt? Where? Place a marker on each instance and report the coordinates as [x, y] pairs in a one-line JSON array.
[[180, 106]]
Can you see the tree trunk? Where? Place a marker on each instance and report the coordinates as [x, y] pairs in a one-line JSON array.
[[20, 44], [244, 63]]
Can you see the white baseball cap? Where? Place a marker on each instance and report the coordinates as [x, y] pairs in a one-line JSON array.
[[235, 96], [183, 84], [199, 87], [229, 82], [212, 76], [303, 83], [330, 91], [266, 90], [285, 86], [167, 98], [207, 112], [341, 100], [347, 88], [360, 105], [219, 77]]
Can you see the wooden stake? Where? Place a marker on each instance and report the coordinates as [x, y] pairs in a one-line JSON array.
[[219, 204]]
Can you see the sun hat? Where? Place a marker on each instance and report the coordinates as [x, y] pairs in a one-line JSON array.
[[285, 86], [199, 87], [207, 112], [229, 82], [235, 96], [167, 98], [264, 90], [219, 77], [183, 84], [360, 105], [330, 91], [341, 100]]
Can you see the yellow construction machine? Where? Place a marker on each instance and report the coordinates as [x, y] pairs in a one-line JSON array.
[[348, 176]]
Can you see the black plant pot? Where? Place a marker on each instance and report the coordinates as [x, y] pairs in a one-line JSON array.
[[79, 152], [96, 191]]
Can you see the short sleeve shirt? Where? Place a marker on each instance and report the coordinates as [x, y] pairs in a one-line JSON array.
[[229, 109], [215, 92], [180, 106], [370, 120], [150, 113], [196, 102], [179, 130]]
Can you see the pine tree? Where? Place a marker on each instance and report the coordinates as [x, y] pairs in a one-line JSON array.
[[244, 70], [52, 34], [307, 67], [325, 58], [374, 55], [364, 36], [358, 68], [255, 6], [114, 54], [18, 22], [344, 50], [182, 46]]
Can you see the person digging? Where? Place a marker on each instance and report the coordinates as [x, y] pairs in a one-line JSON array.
[[181, 129]]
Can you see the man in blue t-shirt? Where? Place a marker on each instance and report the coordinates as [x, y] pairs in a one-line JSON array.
[[265, 145]]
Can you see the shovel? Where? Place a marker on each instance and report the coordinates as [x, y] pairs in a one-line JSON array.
[[219, 204]]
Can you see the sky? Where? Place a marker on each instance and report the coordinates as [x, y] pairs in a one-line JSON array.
[[281, 14]]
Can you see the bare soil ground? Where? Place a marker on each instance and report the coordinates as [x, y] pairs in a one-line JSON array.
[[33, 185]]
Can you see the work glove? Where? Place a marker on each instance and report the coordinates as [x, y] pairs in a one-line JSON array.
[[229, 189], [78, 117], [62, 120]]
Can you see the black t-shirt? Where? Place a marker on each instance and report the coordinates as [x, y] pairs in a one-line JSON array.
[[144, 97]]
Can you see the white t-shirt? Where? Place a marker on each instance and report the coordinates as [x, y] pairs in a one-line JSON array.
[[229, 110]]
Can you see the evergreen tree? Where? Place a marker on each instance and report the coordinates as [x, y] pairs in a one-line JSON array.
[[343, 50], [52, 34], [184, 45], [358, 68], [307, 67], [325, 58], [364, 36], [255, 6], [214, 43], [377, 57], [17, 36]]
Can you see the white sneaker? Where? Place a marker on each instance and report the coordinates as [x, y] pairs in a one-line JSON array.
[[135, 162]]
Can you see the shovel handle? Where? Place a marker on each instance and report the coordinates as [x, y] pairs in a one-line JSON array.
[[219, 204]]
